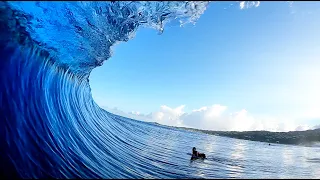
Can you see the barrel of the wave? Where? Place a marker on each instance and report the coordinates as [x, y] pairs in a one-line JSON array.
[[27, 148], [39, 111], [46, 118], [7, 115], [7, 168]]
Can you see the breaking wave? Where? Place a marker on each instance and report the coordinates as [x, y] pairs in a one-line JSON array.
[[50, 126]]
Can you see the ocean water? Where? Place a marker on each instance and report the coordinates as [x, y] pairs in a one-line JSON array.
[[51, 127]]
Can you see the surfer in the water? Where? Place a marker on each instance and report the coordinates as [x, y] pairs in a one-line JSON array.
[[196, 154]]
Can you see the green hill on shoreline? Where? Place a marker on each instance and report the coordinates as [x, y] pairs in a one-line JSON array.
[[307, 137]]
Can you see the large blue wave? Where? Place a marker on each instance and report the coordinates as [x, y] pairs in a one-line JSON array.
[[50, 126]]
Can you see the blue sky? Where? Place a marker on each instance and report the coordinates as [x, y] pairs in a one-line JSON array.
[[263, 61]]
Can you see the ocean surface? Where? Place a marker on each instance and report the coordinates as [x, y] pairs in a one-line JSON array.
[[51, 127]]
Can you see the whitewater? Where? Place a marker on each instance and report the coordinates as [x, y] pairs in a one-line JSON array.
[[50, 127]]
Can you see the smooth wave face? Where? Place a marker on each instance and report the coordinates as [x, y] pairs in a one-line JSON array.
[[51, 127]]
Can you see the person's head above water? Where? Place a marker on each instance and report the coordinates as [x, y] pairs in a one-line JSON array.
[[196, 154]]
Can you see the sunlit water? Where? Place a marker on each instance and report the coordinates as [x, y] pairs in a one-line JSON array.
[[170, 149], [51, 127]]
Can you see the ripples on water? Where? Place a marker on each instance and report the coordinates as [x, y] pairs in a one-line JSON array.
[[51, 127]]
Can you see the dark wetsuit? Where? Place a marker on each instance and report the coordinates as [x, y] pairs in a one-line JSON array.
[[196, 154]]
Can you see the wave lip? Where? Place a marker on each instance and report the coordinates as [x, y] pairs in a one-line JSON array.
[[79, 35]]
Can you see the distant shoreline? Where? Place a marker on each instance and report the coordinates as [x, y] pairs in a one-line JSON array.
[[307, 137]]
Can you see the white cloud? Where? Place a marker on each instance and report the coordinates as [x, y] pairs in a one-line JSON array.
[[135, 112], [303, 127], [316, 127], [257, 4], [242, 4], [168, 116], [132, 114], [213, 117], [216, 118], [249, 4]]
